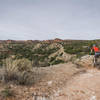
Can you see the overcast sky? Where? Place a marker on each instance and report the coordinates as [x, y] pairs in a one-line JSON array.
[[49, 19]]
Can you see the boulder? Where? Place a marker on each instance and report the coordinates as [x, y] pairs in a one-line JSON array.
[[86, 61]]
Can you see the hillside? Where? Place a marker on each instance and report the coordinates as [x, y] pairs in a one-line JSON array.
[[45, 53]]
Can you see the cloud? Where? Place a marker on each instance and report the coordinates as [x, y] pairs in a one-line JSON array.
[[46, 19]]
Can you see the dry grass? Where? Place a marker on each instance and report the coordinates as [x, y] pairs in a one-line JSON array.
[[47, 80], [7, 93], [18, 71]]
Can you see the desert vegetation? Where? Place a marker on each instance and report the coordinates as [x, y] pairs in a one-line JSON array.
[[18, 71], [17, 59], [39, 52], [7, 92]]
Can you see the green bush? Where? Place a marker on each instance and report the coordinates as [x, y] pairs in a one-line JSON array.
[[78, 47], [61, 54], [58, 61], [52, 59]]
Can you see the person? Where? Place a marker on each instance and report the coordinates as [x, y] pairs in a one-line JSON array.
[[96, 50]]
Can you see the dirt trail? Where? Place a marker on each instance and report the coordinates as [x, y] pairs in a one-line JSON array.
[[85, 86], [48, 81], [64, 82]]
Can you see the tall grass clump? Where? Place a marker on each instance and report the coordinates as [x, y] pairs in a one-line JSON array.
[[7, 93], [18, 71]]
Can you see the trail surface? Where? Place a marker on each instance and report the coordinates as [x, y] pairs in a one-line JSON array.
[[85, 86], [63, 82]]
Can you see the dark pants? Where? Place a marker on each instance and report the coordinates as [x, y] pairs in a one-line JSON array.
[[97, 54]]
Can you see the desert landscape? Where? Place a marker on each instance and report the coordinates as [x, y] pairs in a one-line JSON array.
[[49, 50], [48, 70]]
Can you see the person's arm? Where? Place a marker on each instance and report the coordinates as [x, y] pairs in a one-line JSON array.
[[91, 50]]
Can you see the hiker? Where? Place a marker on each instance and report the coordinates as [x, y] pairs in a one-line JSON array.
[[96, 50]]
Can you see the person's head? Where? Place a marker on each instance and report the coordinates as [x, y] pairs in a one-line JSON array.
[[94, 45]]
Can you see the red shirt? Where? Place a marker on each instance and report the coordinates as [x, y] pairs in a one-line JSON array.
[[96, 49]]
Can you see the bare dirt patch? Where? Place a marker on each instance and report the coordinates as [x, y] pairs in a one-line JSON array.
[[82, 87], [48, 81]]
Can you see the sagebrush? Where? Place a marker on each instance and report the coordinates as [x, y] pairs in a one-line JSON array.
[[18, 71]]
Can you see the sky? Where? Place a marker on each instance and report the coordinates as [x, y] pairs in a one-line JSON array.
[[49, 19]]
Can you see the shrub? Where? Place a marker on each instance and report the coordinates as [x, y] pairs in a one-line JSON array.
[[79, 55], [61, 54], [7, 92], [18, 71], [58, 61], [52, 59]]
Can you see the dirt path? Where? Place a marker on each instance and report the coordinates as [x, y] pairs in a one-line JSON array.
[[85, 86], [64, 81], [47, 81]]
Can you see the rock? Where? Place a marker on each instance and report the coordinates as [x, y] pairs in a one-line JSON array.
[[49, 83], [93, 98], [86, 60]]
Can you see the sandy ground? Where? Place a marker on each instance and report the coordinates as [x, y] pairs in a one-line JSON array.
[[85, 86], [61, 82], [48, 81]]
